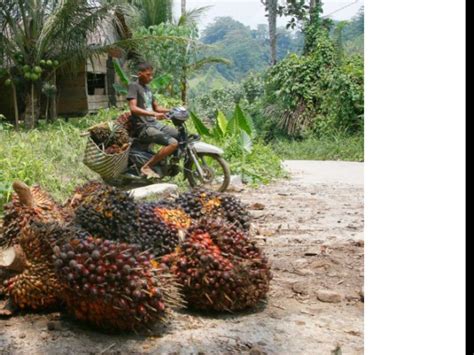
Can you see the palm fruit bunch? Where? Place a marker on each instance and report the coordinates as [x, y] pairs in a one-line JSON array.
[[234, 211], [109, 212], [116, 149], [27, 204], [106, 135], [36, 286], [200, 203], [161, 226], [219, 268], [81, 193], [124, 121], [113, 285]]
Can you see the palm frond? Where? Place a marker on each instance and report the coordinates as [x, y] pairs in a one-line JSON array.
[[208, 60], [154, 12], [192, 16]]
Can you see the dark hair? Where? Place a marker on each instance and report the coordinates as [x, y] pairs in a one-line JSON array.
[[144, 66]]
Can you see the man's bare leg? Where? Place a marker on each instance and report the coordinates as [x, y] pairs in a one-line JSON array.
[[162, 153]]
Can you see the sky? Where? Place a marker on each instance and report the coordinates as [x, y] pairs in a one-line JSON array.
[[252, 12]]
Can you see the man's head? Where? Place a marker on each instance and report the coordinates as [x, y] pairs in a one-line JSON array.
[[145, 73]]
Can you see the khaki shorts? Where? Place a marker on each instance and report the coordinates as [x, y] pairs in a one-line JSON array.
[[159, 134]]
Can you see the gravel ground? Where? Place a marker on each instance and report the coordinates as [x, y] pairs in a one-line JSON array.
[[311, 228]]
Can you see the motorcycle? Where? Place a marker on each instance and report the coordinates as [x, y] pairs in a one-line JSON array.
[[203, 164]]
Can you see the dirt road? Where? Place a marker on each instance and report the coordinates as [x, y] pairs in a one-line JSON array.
[[311, 227]]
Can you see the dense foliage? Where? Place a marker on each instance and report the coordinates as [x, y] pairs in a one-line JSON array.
[[313, 92], [318, 93]]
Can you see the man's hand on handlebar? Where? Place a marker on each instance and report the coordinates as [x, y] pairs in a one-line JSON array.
[[160, 116]]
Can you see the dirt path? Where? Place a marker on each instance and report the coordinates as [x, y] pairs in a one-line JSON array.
[[311, 228]]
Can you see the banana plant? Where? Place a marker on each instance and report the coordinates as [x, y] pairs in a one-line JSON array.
[[237, 126]]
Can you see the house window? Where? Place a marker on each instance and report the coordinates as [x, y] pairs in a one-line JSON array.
[[95, 84]]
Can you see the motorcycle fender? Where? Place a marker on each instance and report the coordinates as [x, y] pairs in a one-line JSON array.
[[201, 147]]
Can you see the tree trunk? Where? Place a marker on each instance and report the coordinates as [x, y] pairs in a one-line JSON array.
[[15, 106], [54, 109], [32, 108], [271, 8], [184, 87], [312, 5], [46, 111], [183, 7]]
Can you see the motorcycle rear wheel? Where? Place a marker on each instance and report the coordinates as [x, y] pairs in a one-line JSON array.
[[209, 163]]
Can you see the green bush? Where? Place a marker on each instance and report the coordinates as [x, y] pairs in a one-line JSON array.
[[315, 92], [207, 105], [248, 157]]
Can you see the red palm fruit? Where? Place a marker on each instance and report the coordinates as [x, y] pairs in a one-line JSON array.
[[220, 268], [27, 204]]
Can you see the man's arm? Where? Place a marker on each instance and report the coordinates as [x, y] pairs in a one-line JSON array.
[[158, 108], [137, 111]]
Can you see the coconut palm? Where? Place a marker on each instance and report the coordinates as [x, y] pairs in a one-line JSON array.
[[191, 65], [153, 12], [38, 37], [183, 7], [177, 59]]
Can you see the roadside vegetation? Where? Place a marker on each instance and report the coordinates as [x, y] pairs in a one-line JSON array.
[[299, 89]]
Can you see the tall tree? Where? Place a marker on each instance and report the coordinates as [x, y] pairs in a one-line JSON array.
[[271, 7], [183, 7], [179, 59], [306, 15], [154, 12], [312, 6], [312, 24]]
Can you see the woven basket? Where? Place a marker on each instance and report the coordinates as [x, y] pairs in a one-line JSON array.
[[108, 166]]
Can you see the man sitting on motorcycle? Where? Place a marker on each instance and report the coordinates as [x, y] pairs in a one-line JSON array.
[[145, 115]]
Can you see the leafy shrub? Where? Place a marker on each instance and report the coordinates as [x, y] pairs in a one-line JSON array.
[[207, 105], [314, 93], [248, 156]]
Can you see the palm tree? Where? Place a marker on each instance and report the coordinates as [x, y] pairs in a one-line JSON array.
[[183, 7], [190, 64], [38, 37], [271, 7], [153, 12], [177, 59]]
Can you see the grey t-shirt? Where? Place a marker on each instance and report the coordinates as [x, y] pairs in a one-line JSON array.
[[144, 97]]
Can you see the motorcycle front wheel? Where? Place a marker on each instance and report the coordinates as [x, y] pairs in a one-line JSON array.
[[216, 172]]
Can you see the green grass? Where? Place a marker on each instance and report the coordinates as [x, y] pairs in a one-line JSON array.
[[338, 147], [50, 155]]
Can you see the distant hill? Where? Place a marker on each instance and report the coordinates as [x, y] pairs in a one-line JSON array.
[[353, 34], [248, 49]]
